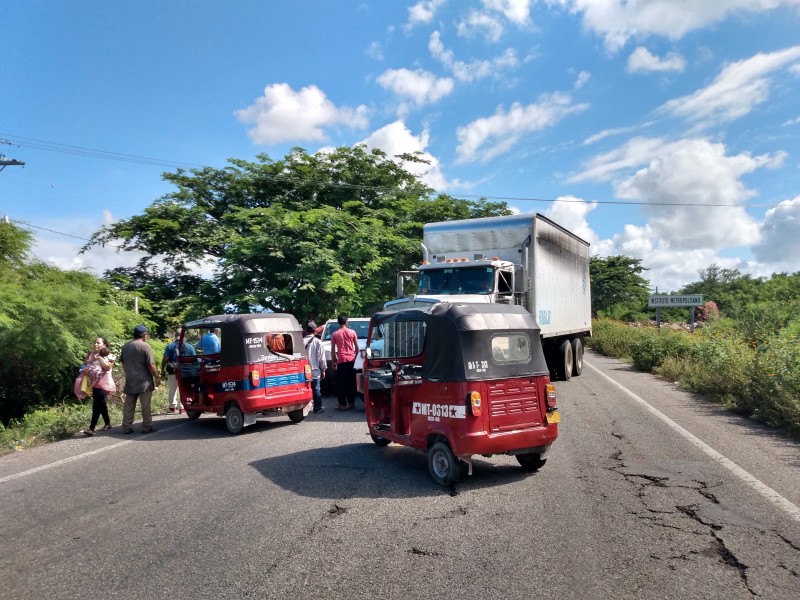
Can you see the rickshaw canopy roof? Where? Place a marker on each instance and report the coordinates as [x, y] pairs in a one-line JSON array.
[[459, 336], [243, 335]]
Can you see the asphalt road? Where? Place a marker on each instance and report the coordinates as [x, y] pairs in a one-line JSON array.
[[648, 493]]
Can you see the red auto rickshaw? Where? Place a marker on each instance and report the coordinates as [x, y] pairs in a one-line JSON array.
[[456, 380], [243, 367]]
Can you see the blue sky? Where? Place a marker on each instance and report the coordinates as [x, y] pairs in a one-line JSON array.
[[666, 130]]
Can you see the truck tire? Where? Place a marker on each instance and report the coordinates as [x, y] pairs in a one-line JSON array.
[[564, 363], [577, 356]]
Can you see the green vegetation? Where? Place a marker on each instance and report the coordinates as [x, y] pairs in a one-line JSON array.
[[746, 356]]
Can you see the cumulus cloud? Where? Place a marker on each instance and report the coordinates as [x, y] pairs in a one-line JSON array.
[[419, 86], [487, 137], [489, 20], [780, 237], [571, 212], [693, 194], [619, 20], [642, 61], [423, 12], [473, 70], [285, 115], [581, 80], [740, 87], [395, 138]]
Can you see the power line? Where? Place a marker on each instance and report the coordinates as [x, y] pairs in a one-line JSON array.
[[77, 237], [20, 141]]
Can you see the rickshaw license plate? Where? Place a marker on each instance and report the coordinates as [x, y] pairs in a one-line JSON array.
[[553, 417]]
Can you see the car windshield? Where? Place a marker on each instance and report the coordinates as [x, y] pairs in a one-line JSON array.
[[475, 280], [360, 327]]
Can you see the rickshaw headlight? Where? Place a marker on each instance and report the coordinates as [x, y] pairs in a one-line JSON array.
[[474, 402], [307, 371], [255, 378], [550, 394]]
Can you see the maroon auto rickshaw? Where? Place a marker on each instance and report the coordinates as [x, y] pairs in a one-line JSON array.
[[243, 367], [456, 380]]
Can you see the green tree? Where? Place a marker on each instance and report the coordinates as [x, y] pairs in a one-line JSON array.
[[48, 320], [618, 289], [311, 235]]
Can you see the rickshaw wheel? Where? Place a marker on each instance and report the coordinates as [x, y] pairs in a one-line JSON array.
[[444, 467], [531, 462], [193, 414], [380, 441], [234, 419], [295, 416]]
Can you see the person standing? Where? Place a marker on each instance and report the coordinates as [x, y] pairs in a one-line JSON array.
[[98, 366], [344, 349], [209, 343], [316, 358], [141, 378], [169, 364]]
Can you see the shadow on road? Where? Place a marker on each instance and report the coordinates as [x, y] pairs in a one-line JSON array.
[[370, 471]]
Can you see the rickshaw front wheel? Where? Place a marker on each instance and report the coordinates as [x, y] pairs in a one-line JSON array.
[[234, 419], [295, 416], [193, 414], [531, 462], [444, 467]]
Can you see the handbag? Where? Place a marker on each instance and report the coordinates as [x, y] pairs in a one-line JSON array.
[[86, 385]]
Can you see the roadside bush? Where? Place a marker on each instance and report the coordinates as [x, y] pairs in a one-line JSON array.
[[775, 397]]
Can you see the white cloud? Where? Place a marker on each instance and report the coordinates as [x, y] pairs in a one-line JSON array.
[[795, 121], [780, 237], [601, 135], [285, 115], [642, 61], [634, 152], [473, 70], [693, 192], [395, 138], [619, 20], [374, 51], [423, 12], [582, 79], [478, 23], [516, 11], [420, 87], [487, 137], [740, 87], [571, 212]]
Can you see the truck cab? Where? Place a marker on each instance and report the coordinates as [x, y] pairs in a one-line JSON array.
[[459, 279]]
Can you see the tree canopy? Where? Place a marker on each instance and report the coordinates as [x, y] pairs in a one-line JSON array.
[[311, 235], [618, 288], [48, 320]]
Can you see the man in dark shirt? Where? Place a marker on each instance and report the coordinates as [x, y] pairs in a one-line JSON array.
[[141, 378]]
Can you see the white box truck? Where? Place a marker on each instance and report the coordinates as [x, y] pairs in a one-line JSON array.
[[517, 259]]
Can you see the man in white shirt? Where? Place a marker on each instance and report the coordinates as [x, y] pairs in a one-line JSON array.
[[316, 358]]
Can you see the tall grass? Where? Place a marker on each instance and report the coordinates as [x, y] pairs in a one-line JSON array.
[[759, 377]]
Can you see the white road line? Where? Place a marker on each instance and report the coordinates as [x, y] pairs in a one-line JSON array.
[[753, 482], [64, 461]]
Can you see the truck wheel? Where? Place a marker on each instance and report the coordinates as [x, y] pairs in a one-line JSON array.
[[443, 466], [531, 462], [577, 356], [380, 441], [295, 416], [193, 414], [234, 419], [564, 369]]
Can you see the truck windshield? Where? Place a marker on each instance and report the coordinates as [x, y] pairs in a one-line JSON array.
[[474, 280]]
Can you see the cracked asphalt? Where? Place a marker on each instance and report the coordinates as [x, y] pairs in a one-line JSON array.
[[624, 508]]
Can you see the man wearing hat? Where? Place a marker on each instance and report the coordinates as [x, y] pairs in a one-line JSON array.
[[141, 378], [316, 358]]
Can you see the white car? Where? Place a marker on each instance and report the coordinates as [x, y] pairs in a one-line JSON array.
[[358, 324]]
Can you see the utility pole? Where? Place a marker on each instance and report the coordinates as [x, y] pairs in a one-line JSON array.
[[9, 162]]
